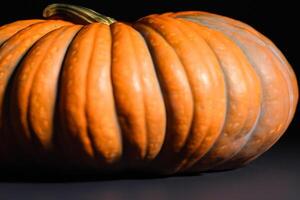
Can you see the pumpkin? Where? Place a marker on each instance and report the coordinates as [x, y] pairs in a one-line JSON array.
[[170, 93]]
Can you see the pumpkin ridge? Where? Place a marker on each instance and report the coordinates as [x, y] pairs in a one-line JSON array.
[[15, 43], [285, 71], [42, 97], [59, 130], [188, 163], [211, 155], [190, 19], [72, 98], [159, 82], [139, 75], [151, 97], [128, 93], [180, 60], [162, 157], [234, 159], [34, 140], [114, 94], [6, 32], [188, 166], [100, 111], [190, 134], [258, 148], [26, 126], [266, 41], [28, 28], [178, 162], [280, 57], [189, 148], [238, 25], [88, 130], [247, 135], [155, 70], [270, 45]]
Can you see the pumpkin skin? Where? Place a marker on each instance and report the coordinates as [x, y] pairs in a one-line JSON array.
[[170, 93]]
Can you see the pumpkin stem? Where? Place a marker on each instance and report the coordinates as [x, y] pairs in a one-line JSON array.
[[75, 14]]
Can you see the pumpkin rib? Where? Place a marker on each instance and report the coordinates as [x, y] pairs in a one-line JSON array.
[[8, 30], [247, 134], [263, 39], [21, 90], [100, 109], [73, 98], [260, 41], [135, 55], [127, 90], [240, 26], [269, 142], [9, 146], [158, 24], [37, 122], [42, 95], [185, 148], [195, 158], [292, 77], [155, 118], [234, 134], [33, 64], [275, 51], [240, 51], [235, 159], [11, 54], [60, 137], [176, 93], [204, 97], [292, 87], [150, 24], [284, 67], [89, 135], [209, 139], [11, 48], [262, 146]]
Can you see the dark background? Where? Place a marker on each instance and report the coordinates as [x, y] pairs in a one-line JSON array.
[[275, 175]]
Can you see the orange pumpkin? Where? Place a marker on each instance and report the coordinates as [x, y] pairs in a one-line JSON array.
[[176, 92]]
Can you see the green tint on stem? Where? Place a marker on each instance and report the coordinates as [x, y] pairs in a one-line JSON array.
[[76, 14]]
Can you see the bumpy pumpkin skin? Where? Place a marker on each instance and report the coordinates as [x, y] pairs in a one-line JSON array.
[[171, 93]]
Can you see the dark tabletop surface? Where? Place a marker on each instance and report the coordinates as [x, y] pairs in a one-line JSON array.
[[275, 175]]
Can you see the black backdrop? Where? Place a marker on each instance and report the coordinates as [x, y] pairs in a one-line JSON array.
[[277, 19]]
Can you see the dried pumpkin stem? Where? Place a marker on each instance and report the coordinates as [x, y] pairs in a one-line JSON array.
[[76, 14]]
